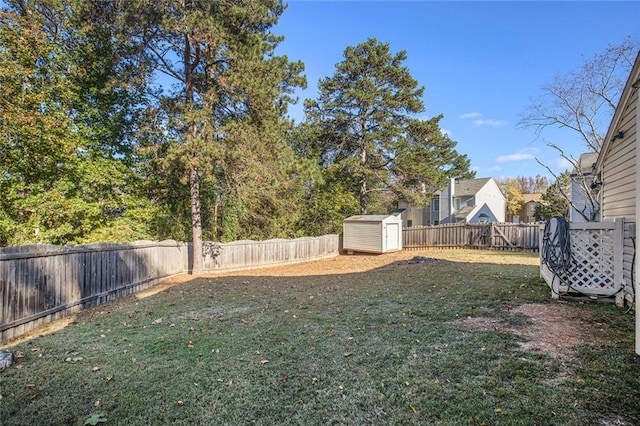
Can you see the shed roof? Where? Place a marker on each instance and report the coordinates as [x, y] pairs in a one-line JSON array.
[[367, 218], [469, 187]]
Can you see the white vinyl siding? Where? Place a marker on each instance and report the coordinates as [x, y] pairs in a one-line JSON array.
[[619, 169], [619, 174], [363, 236]]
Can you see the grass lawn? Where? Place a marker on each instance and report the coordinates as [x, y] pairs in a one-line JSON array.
[[467, 338]]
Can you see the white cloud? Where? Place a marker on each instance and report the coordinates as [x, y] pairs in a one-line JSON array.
[[470, 115], [446, 132], [520, 156], [479, 121], [489, 122]]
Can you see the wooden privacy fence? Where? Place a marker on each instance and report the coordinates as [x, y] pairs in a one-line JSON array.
[[501, 236], [42, 283]]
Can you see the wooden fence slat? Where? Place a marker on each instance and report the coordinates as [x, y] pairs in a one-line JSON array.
[[42, 283], [503, 236]]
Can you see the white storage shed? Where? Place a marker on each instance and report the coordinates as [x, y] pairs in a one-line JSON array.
[[372, 233]]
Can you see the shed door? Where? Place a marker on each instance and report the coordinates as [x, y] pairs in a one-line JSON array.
[[393, 236]]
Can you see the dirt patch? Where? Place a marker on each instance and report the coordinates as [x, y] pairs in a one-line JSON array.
[[554, 328]]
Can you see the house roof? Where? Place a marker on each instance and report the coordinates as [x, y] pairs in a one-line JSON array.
[[634, 79], [585, 163], [469, 187], [527, 198], [464, 212]]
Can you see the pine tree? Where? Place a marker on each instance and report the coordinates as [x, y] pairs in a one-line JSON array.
[[223, 122], [366, 112]]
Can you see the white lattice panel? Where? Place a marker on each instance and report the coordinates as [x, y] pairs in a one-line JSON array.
[[592, 264], [596, 261]]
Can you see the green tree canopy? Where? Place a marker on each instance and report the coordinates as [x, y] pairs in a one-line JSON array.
[[222, 156], [366, 116], [68, 101], [555, 200]]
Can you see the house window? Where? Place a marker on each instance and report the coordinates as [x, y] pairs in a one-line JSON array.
[[456, 203], [483, 218], [435, 205], [409, 223]]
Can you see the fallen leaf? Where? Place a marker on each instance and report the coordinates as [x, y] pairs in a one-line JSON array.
[[264, 361], [180, 402], [157, 321], [35, 349], [95, 418], [109, 378], [437, 382], [191, 344], [348, 354], [300, 401], [498, 410], [413, 408], [97, 403], [31, 386], [95, 368], [18, 354]]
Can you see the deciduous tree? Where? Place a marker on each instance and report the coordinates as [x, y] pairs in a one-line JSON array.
[[583, 102]]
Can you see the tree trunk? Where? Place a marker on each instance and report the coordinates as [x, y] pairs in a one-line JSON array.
[[196, 221], [190, 136], [363, 180]]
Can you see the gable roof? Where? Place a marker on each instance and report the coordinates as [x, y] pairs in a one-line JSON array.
[[633, 80], [527, 198], [469, 187]]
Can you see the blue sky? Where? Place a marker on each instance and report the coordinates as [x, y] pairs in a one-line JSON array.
[[480, 62]]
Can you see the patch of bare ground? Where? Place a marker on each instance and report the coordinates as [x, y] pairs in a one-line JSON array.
[[553, 328]]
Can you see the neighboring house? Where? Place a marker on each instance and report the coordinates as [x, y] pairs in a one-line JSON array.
[[584, 204], [527, 213], [616, 174], [467, 201]]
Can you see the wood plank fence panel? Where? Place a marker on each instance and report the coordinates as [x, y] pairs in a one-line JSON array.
[[41, 283], [498, 236]]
